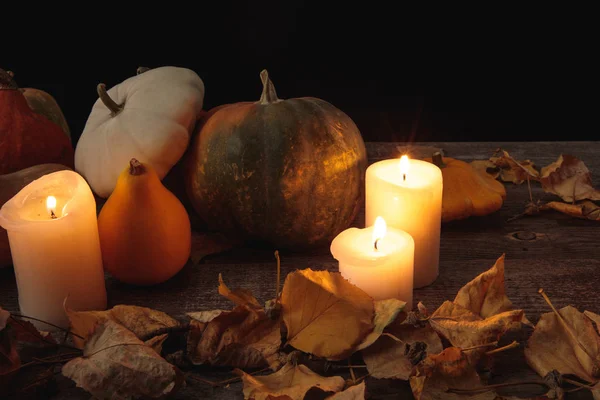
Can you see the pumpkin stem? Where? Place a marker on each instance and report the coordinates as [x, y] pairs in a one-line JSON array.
[[136, 167], [269, 95], [108, 102], [141, 70], [438, 160], [7, 81]]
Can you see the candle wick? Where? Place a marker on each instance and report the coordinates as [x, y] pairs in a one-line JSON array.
[[404, 176], [52, 215], [375, 244]]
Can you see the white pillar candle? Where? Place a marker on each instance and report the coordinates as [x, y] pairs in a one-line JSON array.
[[53, 235], [378, 262], [408, 195]]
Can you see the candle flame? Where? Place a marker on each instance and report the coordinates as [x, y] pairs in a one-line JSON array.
[[51, 205], [404, 166], [379, 230]]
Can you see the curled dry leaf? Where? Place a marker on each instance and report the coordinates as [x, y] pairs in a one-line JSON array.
[[356, 392], [9, 358], [570, 179], [386, 311], [241, 297], [584, 210], [486, 295], [240, 338], [325, 315], [512, 170], [139, 320], [117, 365], [25, 332], [390, 358], [438, 373], [291, 382], [465, 329], [570, 347]]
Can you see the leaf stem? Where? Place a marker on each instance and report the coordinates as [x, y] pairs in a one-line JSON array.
[[479, 346], [47, 323], [278, 273], [513, 345], [392, 336], [114, 345], [352, 372]]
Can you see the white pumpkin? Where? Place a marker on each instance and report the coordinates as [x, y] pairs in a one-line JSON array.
[[150, 117]]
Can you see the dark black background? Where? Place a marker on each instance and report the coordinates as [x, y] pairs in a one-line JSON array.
[[401, 74]]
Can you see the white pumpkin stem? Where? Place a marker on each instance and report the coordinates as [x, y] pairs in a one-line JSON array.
[[136, 167], [108, 102], [269, 95], [141, 70]]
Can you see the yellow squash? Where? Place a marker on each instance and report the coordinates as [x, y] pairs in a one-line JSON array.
[[467, 191], [144, 229]]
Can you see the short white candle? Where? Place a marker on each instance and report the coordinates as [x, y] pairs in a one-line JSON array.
[[408, 195], [378, 262], [53, 235]]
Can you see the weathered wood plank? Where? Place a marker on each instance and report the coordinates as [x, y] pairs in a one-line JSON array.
[[563, 258]]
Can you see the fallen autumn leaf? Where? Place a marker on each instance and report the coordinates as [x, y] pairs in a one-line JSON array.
[[569, 178]]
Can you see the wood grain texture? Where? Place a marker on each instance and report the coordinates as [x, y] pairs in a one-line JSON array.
[[563, 257]]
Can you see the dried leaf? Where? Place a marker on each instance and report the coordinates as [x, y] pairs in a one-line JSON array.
[[356, 392], [485, 295], [25, 332], [595, 318], [571, 349], [205, 244], [486, 166], [389, 358], [4, 316], [325, 314], [570, 179], [585, 210], [241, 297], [465, 329], [386, 312], [139, 320], [450, 369], [290, 382], [9, 358], [512, 170], [242, 338], [117, 365]]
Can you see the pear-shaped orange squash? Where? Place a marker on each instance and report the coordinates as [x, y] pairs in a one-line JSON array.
[[467, 192], [145, 231]]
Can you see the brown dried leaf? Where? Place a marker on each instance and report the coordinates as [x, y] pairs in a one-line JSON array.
[[585, 210], [386, 312], [485, 295], [553, 347], [242, 338], [241, 297], [465, 329], [356, 392], [290, 382], [570, 179], [117, 365], [388, 358], [450, 369], [139, 320], [325, 314], [205, 244], [26, 332], [9, 358], [512, 170]]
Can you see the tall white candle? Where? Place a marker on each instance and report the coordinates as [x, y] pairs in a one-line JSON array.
[[53, 235], [377, 260], [408, 195]]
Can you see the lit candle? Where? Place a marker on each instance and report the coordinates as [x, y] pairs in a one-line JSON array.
[[53, 235], [377, 259], [408, 194]]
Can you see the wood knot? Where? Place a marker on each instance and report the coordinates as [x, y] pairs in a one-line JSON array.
[[524, 235]]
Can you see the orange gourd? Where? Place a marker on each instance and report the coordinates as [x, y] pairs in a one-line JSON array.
[[467, 192], [145, 232]]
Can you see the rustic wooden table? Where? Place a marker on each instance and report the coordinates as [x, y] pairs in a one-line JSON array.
[[553, 251]]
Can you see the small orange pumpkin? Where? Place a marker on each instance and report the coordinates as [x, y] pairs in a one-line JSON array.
[[467, 191]]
